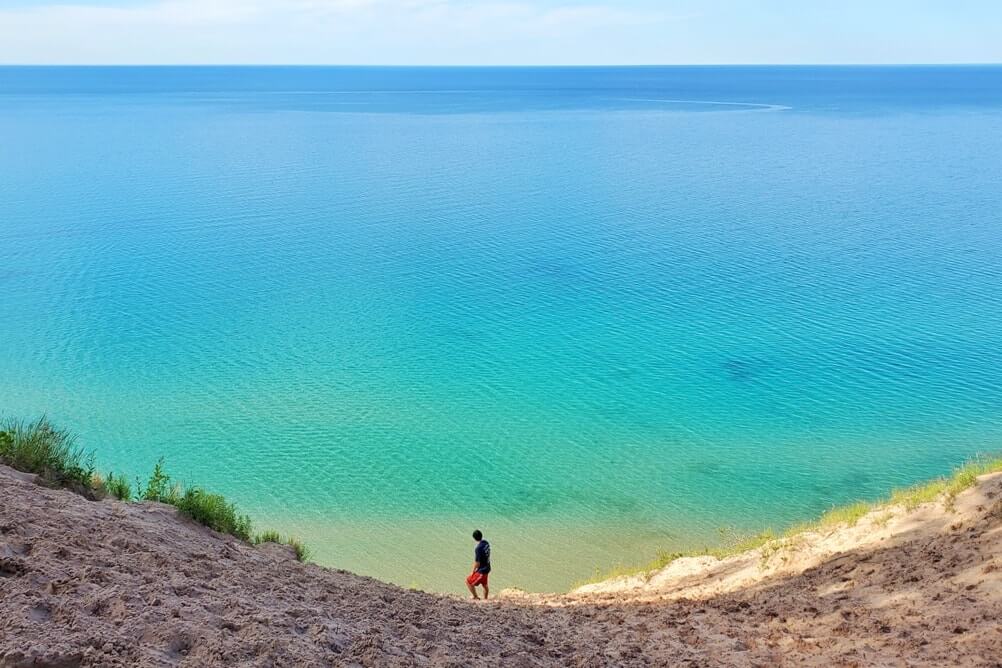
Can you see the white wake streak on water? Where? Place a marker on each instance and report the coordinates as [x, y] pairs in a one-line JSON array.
[[756, 106]]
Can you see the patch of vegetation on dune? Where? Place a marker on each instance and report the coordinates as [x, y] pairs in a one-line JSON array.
[[116, 485], [945, 489], [302, 551], [52, 454]]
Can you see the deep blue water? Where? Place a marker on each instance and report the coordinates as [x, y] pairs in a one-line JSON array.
[[593, 311]]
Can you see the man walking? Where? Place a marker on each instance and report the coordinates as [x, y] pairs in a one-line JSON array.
[[481, 565]]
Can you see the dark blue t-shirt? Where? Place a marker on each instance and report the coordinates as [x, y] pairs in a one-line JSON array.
[[482, 555]]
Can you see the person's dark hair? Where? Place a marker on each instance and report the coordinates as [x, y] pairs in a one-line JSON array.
[[477, 535]]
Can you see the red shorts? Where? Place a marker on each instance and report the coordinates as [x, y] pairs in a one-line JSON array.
[[477, 579]]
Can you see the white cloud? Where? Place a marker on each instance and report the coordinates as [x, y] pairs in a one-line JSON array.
[[326, 31]]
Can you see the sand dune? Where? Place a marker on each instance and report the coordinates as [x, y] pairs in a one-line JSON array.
[[86, 583]]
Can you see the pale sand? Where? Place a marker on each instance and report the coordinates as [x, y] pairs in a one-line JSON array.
[[113, 584]]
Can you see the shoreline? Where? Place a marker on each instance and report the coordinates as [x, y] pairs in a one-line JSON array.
[[439, 546], [108, 583]]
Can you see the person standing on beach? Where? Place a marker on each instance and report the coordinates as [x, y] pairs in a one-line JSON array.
[[481, 565]]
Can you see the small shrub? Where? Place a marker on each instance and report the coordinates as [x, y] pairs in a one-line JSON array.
[[158, 487]]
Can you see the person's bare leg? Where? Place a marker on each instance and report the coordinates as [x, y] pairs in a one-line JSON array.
[[473, 590], [486, 592]]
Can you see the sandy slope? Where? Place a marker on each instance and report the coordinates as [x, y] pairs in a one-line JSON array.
[[112, 584]]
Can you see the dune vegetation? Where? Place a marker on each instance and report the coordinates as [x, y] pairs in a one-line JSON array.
[[944, 488], [54, 456]]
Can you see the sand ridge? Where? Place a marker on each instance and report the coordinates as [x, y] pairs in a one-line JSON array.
[[85, 583]]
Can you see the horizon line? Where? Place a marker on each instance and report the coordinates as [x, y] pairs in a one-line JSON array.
[[508, 66]]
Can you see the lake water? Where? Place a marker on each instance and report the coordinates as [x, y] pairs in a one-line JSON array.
[[594, 312]]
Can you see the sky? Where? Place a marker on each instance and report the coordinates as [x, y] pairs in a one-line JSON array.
[[499, 32]]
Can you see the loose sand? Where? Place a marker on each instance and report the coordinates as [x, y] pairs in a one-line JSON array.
[[85, 583]]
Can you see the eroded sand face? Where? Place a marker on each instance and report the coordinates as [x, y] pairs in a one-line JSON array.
[[113, 584]]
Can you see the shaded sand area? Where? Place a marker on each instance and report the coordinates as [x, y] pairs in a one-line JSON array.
[[86, 583]]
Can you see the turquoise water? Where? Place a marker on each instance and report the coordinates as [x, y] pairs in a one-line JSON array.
[[594, 312]]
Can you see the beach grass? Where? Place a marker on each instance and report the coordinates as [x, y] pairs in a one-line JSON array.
[[302, 551], [52, 454], [269, 536], [945, 489], [118, 486], [215, 512]]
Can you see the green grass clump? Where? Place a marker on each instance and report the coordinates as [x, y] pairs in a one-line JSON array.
[[215, 512], [967, 476], [913, 497], [948, 488], [38, 447], [299, 547], [845, 515], [302, 551], [834, 517], [118, 486], [269, 536], [664, 558]]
